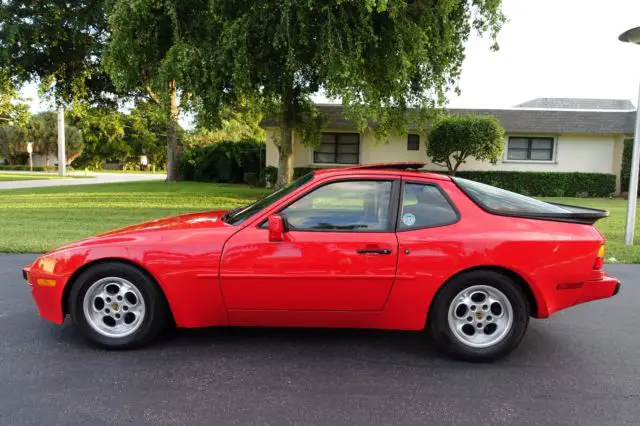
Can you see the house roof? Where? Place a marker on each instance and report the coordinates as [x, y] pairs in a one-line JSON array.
[[524, 120], [579, 103]]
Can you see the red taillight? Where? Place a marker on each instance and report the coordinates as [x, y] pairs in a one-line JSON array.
[[599, 259]]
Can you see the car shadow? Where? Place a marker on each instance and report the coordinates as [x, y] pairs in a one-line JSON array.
[[407, 348]]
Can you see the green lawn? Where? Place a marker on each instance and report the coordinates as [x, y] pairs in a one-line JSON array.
[[40, 219], [8, 177], [611, 227]]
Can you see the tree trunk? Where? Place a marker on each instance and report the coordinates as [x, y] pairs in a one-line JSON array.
[[285, 149], [172, 137]]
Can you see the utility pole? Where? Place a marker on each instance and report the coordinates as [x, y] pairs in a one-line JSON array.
[[62, 156], [633, 36]]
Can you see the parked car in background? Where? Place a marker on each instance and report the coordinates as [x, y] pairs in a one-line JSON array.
[[377, 246]]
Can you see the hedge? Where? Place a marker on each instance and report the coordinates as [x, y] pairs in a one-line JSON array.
[[547, 184], [25, 168], [540, 184], [227, 161]]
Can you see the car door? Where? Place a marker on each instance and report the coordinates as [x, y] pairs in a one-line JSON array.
[[339, 254]]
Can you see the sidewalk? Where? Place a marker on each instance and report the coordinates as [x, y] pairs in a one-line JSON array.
[[96, 179]]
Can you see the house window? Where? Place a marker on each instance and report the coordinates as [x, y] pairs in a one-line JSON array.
[[338, 148], [532, 149], [413, 142]]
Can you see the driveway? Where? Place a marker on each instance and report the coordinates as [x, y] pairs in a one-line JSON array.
[[580, 367], [97, 178]]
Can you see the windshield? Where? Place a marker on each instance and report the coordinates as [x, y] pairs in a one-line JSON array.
[[503, 201], [235, 217]]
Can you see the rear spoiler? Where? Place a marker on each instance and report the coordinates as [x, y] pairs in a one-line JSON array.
[[575, 214]]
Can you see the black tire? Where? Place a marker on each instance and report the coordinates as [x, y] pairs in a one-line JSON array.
[[155, 319], [445, 339]]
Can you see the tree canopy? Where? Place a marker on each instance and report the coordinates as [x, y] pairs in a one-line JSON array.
[[382, 58], [43, 132], [58, 43], [148, 52], [453, 139]]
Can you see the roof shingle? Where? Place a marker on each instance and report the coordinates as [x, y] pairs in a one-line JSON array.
[[516, 120], [579, 103]]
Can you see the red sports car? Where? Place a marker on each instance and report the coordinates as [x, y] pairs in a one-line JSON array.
[[377, 246]]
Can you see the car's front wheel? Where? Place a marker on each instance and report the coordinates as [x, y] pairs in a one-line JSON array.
[[117, 306], [479, 316]]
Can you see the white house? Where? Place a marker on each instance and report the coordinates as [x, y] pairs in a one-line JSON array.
[[544, 134]]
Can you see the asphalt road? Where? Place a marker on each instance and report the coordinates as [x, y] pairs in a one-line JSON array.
[[580, 367]]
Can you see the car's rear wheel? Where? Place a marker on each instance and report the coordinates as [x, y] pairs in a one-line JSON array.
[[117, 306], [479, 316]]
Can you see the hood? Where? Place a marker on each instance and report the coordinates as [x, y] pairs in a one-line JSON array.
[[174, 223], [146, 230]]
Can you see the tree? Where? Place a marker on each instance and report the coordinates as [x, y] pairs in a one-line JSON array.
[[382, 58], [58, 43], [13, 144], [453, 139], [147, 52], [42, 131], [103, 131], [13, 111]]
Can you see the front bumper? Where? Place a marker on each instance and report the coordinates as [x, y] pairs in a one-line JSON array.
[[47, 290]]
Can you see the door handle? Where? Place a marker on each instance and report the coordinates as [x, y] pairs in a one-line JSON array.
[[374, 251]]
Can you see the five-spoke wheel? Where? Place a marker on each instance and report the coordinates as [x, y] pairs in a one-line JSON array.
[[114, 307], [479, 316], [117, 305]]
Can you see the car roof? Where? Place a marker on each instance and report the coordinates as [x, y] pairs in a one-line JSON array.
[[384, 169]]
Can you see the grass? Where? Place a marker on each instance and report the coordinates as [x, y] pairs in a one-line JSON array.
[[10, 177], [41, 219], [611, 227]]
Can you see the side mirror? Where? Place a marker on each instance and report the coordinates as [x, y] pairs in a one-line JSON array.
[[278, 226]]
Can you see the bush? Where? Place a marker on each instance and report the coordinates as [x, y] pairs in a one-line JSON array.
[[223, 161], [625, 172], [22, 167], [301, 171], [269, 175], [250, 178], [547, 184]]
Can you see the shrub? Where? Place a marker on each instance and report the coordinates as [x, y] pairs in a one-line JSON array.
[[269, 175], [250, 178], [625, 171], [22, 167], [223, 161], [547, 184], [301, 171]]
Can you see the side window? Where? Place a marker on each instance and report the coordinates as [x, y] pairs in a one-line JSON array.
[[424, 206], [356, 206]]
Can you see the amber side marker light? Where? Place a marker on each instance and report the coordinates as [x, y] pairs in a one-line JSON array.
[[600, 258], [46, 282]]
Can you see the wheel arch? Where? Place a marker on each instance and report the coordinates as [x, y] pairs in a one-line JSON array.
[[72, 279], [536, 305]]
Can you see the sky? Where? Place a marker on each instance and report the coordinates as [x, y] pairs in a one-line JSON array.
[[548, 48]]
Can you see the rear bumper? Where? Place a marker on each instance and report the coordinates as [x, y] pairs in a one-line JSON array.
[[571, 294]]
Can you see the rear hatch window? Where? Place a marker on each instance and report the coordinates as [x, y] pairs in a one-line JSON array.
[[507, 203]]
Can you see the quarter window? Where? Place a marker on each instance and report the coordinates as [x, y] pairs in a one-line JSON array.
[[424, 206], [413, 143], [532, 149], [338, 148], [356, 206]]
